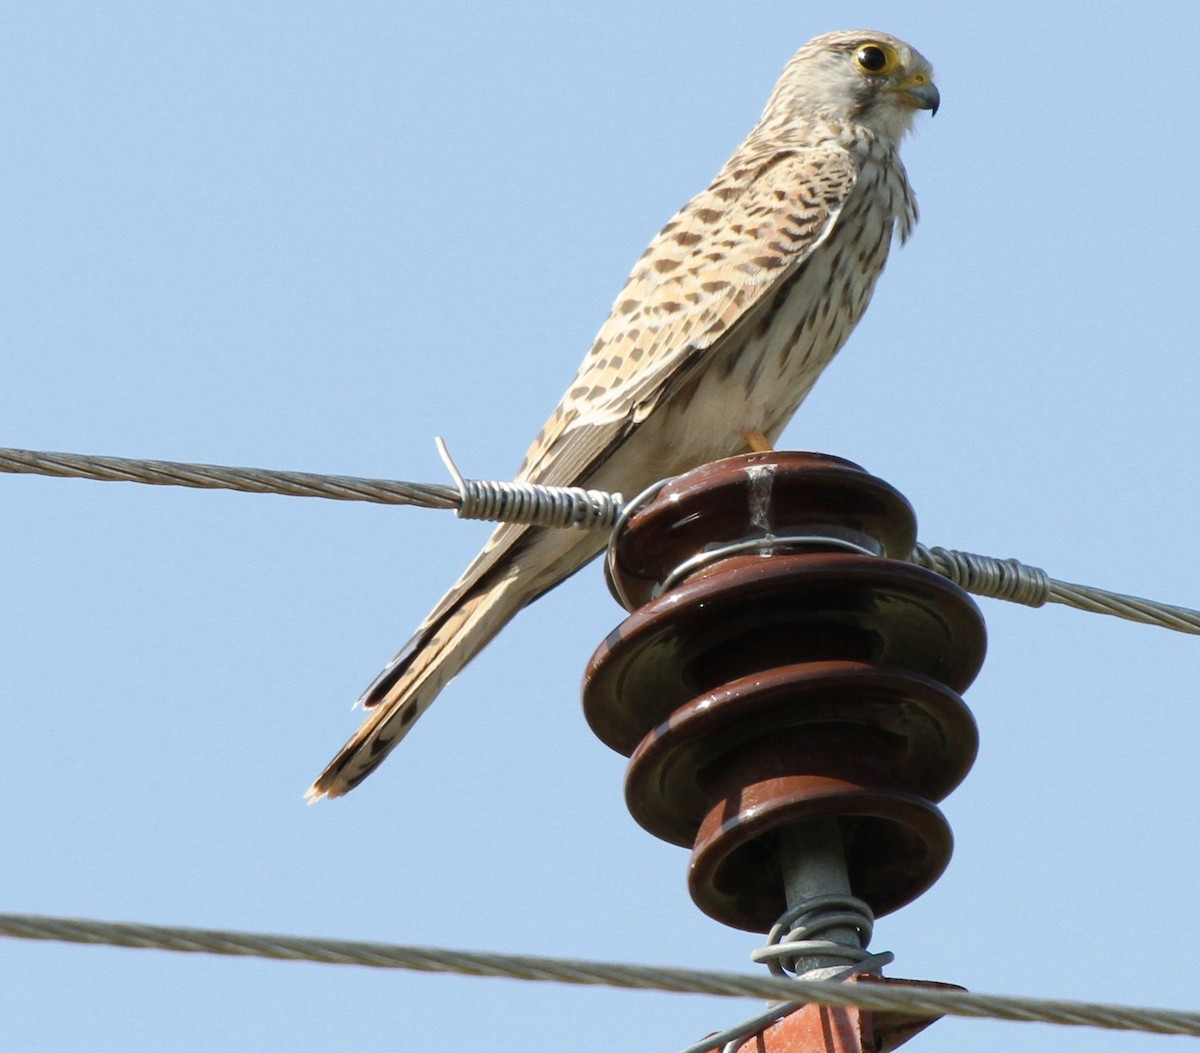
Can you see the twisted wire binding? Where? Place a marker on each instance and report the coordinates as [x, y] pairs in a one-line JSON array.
[[795, 935], [559, 506], [1003, 579], [793, 938], [553, 506], [731, 1037], [1017, 582], [915, 1001]]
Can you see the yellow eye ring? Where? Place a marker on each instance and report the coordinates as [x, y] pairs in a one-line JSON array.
[[875, 59]]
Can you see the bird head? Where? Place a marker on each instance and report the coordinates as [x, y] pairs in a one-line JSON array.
[[858, 76]]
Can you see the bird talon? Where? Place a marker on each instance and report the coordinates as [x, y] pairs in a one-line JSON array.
[[758, 442]]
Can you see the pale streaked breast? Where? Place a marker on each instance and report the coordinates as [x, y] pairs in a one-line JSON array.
[[757, 381]]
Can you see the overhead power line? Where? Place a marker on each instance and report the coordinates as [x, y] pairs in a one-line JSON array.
[[1006, 579], [917, 1001]]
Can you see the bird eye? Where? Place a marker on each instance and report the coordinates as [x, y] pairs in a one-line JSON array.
[[873, 58]]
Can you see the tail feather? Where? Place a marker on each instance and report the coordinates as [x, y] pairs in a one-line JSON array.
[[505, 546], [384, 685], [408, 686], [517, 565]]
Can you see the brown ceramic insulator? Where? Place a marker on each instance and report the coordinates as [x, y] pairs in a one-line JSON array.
[[897, 842], [752, 614], [764, 689], [753, 496], [899, 730]]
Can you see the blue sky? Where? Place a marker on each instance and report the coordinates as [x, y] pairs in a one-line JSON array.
[[314, 236]]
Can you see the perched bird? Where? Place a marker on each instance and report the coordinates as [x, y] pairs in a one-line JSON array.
[[722, 329]]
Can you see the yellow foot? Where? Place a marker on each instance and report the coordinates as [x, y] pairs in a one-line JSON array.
[[758, 442]]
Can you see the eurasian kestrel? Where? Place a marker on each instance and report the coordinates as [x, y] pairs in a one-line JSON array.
[[723, 327]]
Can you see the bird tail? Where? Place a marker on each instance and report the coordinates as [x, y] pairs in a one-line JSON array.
[[458, 629]]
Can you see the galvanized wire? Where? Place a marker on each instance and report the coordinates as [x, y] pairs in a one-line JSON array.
[[730, 1038], [915, 1001], [1002, 579], [218, 477], [1017, 582], [565, 506]]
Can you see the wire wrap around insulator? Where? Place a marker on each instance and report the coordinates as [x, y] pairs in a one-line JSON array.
[[1001, 579]]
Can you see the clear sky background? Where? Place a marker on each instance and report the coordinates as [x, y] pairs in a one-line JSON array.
[[314, 236]]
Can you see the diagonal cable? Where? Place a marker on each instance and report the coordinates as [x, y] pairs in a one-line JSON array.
[[915, 1001], [564, 506], [219, 477]]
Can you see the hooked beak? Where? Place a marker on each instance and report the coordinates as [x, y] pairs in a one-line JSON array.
[[922, 93]]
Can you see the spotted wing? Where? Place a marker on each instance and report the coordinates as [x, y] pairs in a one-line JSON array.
[[724, 253]]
